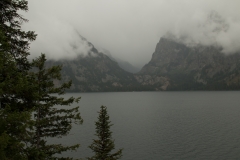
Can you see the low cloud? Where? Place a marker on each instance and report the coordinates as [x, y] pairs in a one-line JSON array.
[[130, 29], [59, 41], [208, 29]]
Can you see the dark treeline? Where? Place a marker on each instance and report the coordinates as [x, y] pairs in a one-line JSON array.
[[27, 112]]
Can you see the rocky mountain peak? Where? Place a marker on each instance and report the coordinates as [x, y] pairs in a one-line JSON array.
[[173, 66], [196, 66]]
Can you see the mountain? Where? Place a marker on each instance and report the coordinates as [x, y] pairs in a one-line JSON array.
[[173, 66], [126, 66], [182, 67], [95, 72], [123, 64]]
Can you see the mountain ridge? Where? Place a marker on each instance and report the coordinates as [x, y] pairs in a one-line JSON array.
[[173, 66], [94, 72], [194, 68]]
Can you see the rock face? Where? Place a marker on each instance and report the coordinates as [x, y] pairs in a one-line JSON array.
[[192, 68], [174, 66], [152, 82], [95, 72]]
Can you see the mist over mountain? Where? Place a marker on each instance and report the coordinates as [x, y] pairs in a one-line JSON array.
[[195, 67], [173, 66], [94, 72], [130, 29], [210, 30], [123, 64]]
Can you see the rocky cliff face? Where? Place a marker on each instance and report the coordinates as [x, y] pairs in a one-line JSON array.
[[95, 72], [193, 68], [174, 66]]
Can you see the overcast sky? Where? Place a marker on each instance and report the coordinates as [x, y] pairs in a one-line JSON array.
[[130, 29]]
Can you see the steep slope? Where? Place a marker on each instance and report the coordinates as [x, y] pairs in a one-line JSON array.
[[127, 66], [193, 68], [123, 64], [95, 72]]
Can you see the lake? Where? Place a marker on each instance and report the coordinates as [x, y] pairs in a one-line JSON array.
[[163, 125]]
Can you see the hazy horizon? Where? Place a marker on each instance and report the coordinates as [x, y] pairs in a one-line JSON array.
[[130, 30]]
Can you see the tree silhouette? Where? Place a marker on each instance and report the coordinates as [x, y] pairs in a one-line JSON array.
[[103, 146]]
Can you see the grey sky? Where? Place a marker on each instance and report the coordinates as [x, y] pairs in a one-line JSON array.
[[130, 29]]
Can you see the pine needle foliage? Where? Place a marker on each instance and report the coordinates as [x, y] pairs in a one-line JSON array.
[[13, 134], [16, 87], [14, 47], [23, 93], [103, 146], [18, 41], [51, 121], [13, 122]]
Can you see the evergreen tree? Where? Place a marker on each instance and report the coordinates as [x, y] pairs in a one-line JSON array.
[[13, 134], [17, 40], [22, 92], [14, 47], [49, 120], [13, 124], [103, 146], [15, 85]]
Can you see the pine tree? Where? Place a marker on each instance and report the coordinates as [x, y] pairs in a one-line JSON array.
[[13, 132], [103, 146], [14, 47], [13, 124], [49, 120], [15, 85], [22, 92], [17, 40]]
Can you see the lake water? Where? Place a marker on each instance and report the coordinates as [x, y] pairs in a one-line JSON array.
[[163, 125]]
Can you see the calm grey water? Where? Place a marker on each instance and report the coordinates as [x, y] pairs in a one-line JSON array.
[[163, 125]]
